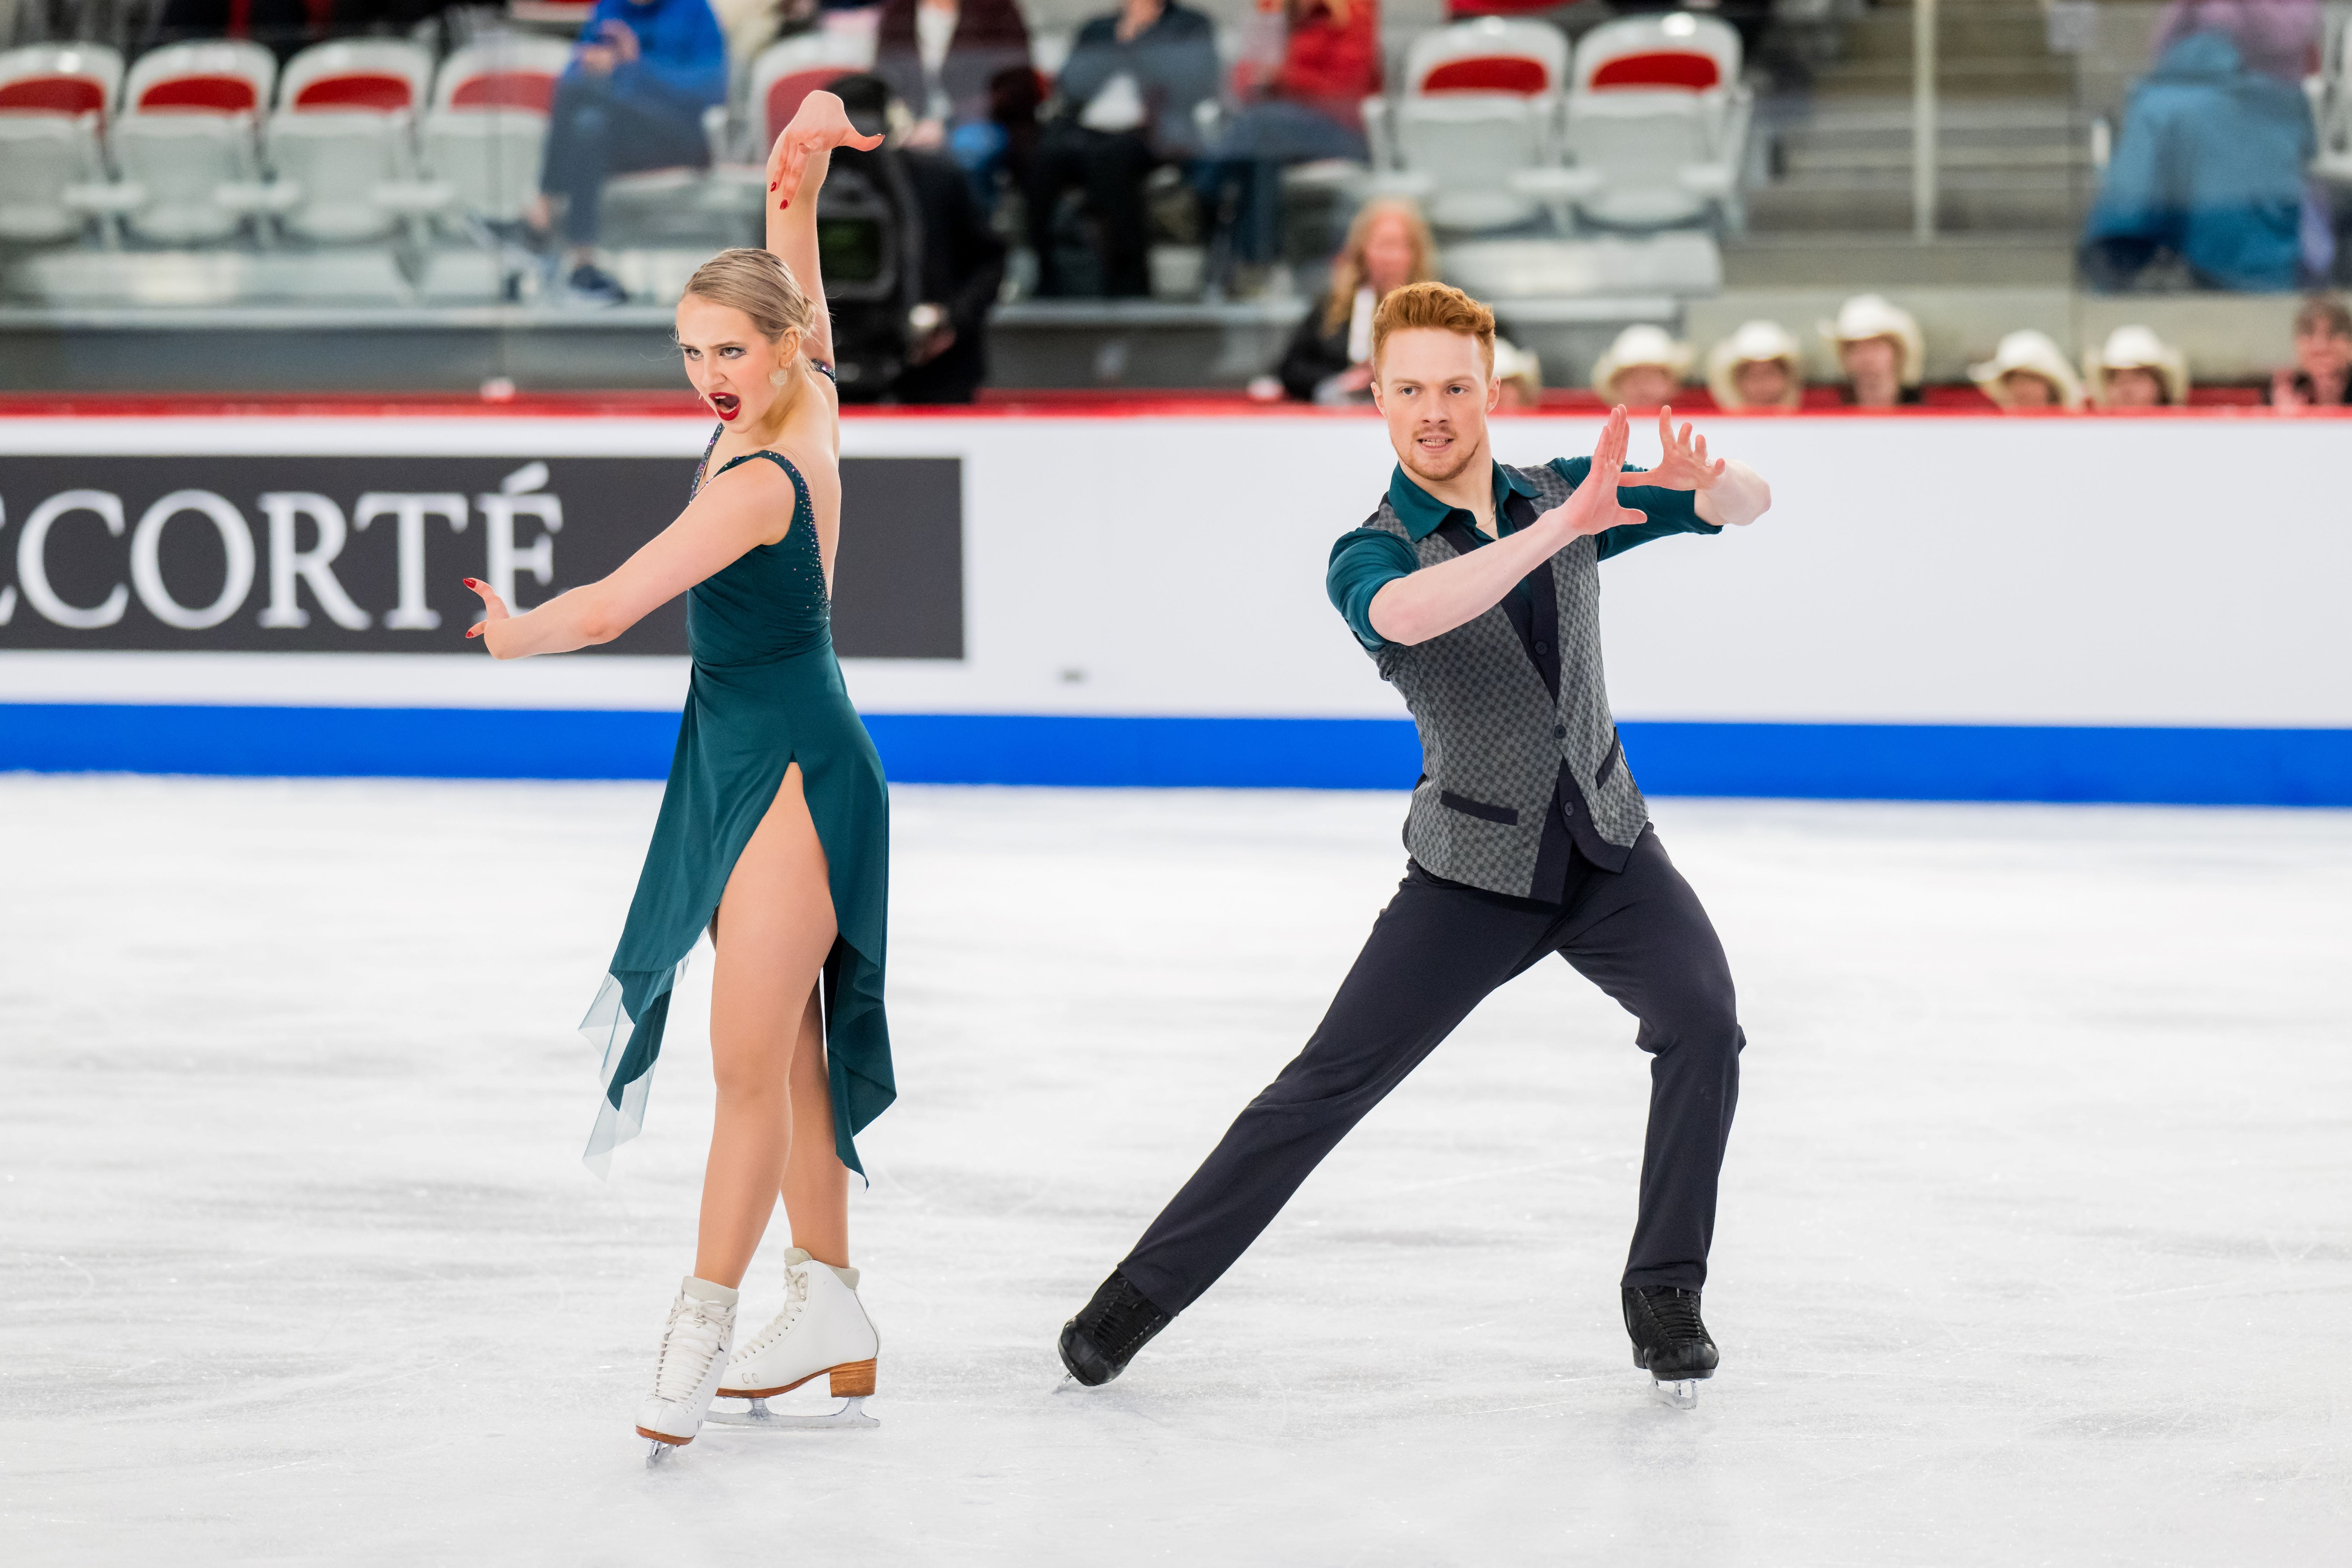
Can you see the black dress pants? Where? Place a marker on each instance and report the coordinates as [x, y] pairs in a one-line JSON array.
[[1110, 167], [1435, 953]]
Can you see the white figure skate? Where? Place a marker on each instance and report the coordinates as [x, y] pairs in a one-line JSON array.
[[692, 1364], [823, 1330]]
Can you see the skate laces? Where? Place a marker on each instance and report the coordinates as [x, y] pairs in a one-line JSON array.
[[796, 1298], [692, 1344], [1675, 1313]]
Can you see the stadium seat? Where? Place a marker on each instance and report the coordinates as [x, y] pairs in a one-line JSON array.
[[185, 139], [1479, 101], [485, 134], [1657, 118], [218, 78], [787, 71], [340, 143], [54, 100]]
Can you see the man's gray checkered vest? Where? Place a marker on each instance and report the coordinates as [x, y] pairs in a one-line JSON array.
[[1492, 740]]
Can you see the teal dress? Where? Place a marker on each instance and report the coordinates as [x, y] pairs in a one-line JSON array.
[[766, 692]]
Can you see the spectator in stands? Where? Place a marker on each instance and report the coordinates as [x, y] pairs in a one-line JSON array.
[[2323, 357], [2276, 37], [929, 340], [1129, 90], [2208, 167], [1304, 103], [1641, 369], [1329, 360], [1520, 373], [633, 97], [1881, 350], [940, 56], [1758, 367], [2028, 374], [2137, 369]]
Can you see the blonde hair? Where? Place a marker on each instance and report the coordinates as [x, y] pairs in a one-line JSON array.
[[1348, 271], [1438, 305], [759, 284]]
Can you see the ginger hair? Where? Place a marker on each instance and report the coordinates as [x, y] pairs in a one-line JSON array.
[[759, 284], [1438, 305]]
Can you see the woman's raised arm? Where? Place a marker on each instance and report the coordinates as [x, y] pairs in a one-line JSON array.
[[796, 170]]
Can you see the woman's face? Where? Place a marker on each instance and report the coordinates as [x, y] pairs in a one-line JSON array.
[[2134, 386], [2322, 355], [1642, 386], [1871, 364], [1763, 383], [731, 364], [2025, 389], [1388, 253]]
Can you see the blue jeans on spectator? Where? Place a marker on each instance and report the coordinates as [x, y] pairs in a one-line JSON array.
[[593, 134], [1249, 158]]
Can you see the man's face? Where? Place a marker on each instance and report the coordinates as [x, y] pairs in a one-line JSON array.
[[1763, 383], [2134, 386], [1432, 388], [1872, 360], [1642, 386], [2027, 390]]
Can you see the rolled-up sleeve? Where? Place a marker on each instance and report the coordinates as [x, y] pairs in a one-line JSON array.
[[1362, 564]]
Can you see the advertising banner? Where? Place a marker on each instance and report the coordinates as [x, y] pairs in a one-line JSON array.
[[366, 554]]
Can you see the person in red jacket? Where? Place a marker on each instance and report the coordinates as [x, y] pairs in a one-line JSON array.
[[1302, 103]]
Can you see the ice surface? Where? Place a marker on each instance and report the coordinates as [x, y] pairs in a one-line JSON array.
[[2036, 1243]]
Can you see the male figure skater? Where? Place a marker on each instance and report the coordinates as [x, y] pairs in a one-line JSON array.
[[1474, 588]]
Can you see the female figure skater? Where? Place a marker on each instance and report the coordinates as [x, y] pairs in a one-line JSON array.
[[774, 831]]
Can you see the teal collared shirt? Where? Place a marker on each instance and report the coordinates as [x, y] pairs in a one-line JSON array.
[[1368, 559]]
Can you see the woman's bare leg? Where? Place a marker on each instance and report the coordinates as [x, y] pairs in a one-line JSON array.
[[775, 928], [816, 1183]]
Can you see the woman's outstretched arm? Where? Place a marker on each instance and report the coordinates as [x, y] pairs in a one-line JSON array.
[[797, 165], [734, 512]]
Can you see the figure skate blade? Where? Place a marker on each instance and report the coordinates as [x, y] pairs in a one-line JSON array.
[[1680, 1393], [754, 1413]]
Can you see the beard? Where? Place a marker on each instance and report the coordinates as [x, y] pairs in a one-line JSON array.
[[1417, 462]]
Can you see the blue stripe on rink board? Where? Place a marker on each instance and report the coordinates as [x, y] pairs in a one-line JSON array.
[[1821, 761]]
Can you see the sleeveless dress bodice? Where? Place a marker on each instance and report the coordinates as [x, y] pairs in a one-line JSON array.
[[766, 693]]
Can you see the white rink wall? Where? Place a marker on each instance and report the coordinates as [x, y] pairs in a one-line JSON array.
[[2176, 573]]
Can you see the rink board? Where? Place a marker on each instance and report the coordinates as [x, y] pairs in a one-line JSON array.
[[1938, 607]]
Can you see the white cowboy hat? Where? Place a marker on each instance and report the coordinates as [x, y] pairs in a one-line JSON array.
[[2137, 348], [1513, 363], [2028, 351], [1753, 342], [1868, 316], [1641, 345]]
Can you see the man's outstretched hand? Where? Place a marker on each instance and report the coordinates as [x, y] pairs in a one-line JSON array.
[[821, 125], [1685, 466], [1593, 508]]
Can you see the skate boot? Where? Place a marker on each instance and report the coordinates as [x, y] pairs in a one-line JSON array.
[[823, 1330], [1103, 1338], [693, 1360], [1670, 1341]]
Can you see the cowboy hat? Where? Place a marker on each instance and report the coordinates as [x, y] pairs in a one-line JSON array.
[[1868, 316], [2137, 348], [1640, 345], [1753, 342], [2028, 351], [1513, 363]]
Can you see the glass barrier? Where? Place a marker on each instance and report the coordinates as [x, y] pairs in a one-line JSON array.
[[493, 196]]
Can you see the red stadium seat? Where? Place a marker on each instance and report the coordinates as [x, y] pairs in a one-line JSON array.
[[1489, 73]]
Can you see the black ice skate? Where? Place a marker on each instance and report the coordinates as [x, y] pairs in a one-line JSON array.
[[1670, 1343], [1103, 1338]]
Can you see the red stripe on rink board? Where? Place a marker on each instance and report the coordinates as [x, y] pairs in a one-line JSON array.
[[998, 404]]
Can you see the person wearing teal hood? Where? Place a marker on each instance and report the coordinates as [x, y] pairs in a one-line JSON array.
[[2209, 167]]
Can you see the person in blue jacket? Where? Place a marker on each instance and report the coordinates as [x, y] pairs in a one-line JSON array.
[[2209, 167], [641, 76]]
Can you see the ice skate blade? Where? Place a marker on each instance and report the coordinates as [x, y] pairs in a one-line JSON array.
[[851, 1416], [660, 1454], [1681, 1393]]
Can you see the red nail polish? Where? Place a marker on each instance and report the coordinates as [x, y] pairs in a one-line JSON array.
[[783, 205], [774, 184]]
